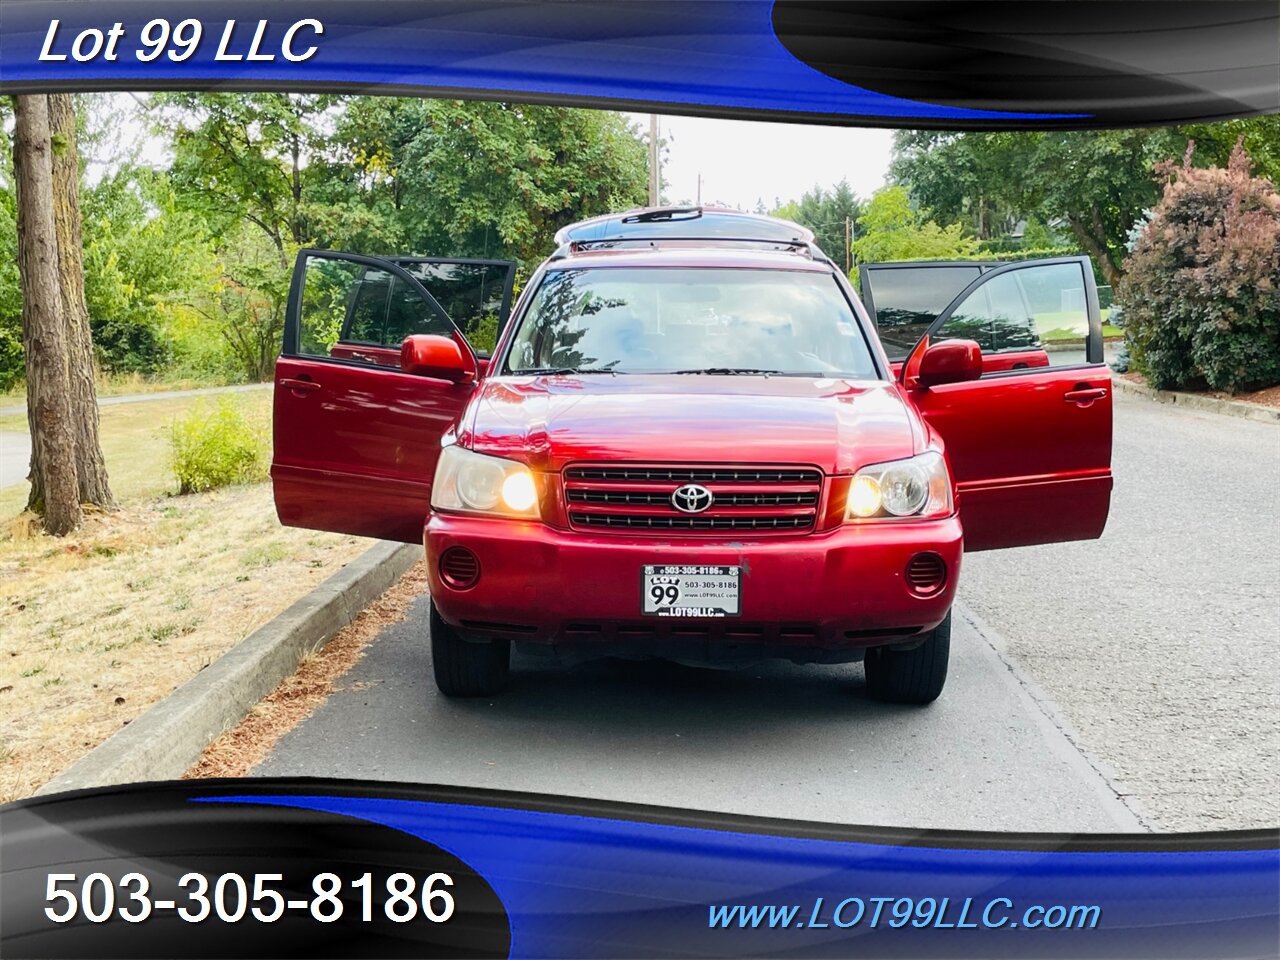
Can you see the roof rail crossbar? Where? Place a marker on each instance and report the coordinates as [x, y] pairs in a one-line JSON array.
[[614, 243], [664, 213], [802, 245]]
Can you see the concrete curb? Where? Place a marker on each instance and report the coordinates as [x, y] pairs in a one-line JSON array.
[[169, 737], [1192, 401]]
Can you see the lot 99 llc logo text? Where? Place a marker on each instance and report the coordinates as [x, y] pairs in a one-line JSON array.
[[181, 41]]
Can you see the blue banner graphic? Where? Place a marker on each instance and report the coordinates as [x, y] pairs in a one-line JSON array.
[[917, 64], [330, 868]]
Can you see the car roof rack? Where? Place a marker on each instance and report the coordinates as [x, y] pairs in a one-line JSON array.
[[692, 225]]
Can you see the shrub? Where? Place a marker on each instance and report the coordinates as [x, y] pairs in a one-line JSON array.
[[1201, 296], [216, 448]]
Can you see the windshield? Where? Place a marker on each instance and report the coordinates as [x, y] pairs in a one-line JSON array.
[[690, 320]]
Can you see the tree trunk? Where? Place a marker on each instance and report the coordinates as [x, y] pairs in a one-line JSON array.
[[91, 468], [1096, 247], [44, 338]]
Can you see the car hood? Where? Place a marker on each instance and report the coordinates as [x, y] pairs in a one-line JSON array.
[[547, 422]]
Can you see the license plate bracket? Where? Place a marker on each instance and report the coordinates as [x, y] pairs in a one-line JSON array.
[[690, 590]]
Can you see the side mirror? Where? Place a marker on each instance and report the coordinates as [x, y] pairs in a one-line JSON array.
[[428, 355], [950, 361]]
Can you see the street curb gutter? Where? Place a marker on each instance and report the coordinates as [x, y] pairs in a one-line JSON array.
[[1232, 408], [169, 737]]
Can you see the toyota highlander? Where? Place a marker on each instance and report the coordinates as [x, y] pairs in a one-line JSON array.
[[686, 439]]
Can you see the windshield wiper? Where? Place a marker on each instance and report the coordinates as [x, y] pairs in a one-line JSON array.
[[731, 371], [560, 371]]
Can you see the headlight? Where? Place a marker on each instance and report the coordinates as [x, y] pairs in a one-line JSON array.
[[477, 483], [918, 487]]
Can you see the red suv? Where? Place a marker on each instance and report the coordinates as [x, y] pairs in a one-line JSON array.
[[687, 441]]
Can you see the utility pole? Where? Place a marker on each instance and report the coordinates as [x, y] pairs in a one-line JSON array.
[[848, 245], [655, 172]]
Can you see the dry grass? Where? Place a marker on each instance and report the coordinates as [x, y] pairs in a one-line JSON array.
[[240, 749], [98, 626]]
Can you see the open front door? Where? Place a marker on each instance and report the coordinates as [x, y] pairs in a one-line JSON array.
[[356, 438], [905, 298], [1030, 447]]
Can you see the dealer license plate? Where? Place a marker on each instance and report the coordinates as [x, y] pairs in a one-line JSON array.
[[690, 591]]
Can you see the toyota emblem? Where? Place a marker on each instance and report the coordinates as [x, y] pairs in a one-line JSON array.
[[692, 498]]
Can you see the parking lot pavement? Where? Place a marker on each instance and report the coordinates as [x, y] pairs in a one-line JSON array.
[[786, 741], [1158, 642]]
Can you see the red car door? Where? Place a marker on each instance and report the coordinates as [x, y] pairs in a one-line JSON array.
[[356, 439], [1030, 448]]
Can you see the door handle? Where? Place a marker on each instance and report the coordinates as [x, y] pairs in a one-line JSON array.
[[300, 386], [1085, 395]]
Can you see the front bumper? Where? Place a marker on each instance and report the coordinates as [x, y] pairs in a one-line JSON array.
[[845, 589]]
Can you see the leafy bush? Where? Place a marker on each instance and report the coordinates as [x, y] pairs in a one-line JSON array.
[[216, 448], [1201, 297], [11, 362]]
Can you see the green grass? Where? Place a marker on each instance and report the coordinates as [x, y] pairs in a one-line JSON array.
[[1064, 333], [135, 444]]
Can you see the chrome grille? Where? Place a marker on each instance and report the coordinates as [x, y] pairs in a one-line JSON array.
[[636, 498]]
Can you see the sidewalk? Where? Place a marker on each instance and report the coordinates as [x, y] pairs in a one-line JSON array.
[[1195, 401]]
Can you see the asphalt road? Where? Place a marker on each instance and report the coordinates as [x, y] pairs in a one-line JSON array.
[[1095, 686], [15, 457], [788, 741], [1158, 642]]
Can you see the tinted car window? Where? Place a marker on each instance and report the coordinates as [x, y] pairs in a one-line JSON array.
[[360, 314], [908, 299], [471, 294], [408, 313], [369, 309], [1033, 316]]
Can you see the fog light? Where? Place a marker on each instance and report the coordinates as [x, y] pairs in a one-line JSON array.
[[459, 568], [926, 573]]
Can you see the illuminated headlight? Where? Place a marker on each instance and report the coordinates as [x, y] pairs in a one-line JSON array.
[[476, 483], [918, 487]]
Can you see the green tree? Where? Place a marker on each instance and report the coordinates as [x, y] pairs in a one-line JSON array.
[[826, 212], [892, 230], [145, 257], [1098, 183], [464, 178], [10, 292], [247, 156], [977, 179], [1259, 137], [252, 168]]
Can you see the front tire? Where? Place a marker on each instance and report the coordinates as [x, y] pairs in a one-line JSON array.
[[464, 668], [915, 676]]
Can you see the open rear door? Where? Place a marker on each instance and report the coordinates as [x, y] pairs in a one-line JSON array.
[[1030, 447], [356, 439]]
